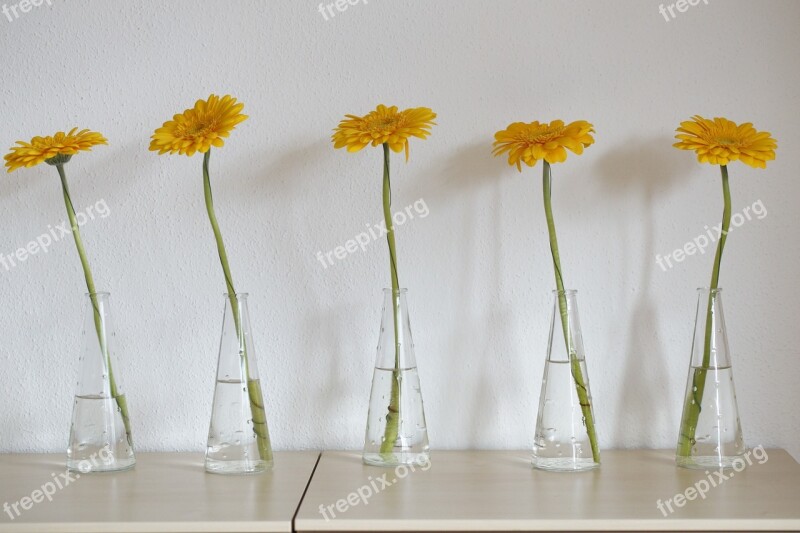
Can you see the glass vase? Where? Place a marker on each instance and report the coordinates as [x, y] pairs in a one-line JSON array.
[[396, 430], [710, 435], [565, 438], [238, 437], [100, 437]]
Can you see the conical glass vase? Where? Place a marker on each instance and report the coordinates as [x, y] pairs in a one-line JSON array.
[[238, 437], [396, 430], [565, 440], [710, 435], [100, 437]]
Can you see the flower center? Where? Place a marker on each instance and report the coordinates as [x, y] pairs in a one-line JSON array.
[[543, 136], [725, 136], [198, 129], [381, 124]]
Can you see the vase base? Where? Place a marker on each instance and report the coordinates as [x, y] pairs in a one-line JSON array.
[[705, 462], [398, 458], [92, 466], [564, 464], [237, 468]]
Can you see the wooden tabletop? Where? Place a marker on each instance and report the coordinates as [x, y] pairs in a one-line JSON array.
[[458, 491], [165, 492], [499, 491]]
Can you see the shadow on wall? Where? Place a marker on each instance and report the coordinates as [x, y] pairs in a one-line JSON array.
[[23, 178], [648, 168], [475, 273], [332, 400], [280, 177], [473, 166]]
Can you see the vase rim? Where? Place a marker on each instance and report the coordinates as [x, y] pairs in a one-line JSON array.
[[97, 293], [399, 291], [565, 291], [712, 291], [238, 294]]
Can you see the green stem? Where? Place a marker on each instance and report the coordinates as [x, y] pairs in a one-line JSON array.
[[253, 385], [575, 363], [393, 413], [693, 406], [98, 317]]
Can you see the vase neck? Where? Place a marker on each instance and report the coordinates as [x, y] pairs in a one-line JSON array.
[[710, 346], [566, 338], [395, 347]]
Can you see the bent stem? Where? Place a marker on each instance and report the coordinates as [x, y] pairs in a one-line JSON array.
[[693, 406], [393, 414], [99, 326], [575, 364], [253, 386]]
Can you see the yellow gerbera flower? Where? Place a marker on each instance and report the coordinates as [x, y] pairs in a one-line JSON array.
[[528, 143], [385, 125], [721, 141], [199, 128], [58, 148]]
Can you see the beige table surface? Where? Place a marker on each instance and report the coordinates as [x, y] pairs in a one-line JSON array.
[[167, 492], [499, 491]]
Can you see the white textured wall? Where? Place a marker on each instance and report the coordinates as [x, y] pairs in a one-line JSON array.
[[477, 267]]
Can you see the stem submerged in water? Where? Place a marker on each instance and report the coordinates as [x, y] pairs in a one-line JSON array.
[[99, 324], [393, 410], [575, 364], [693, 406], [253, 386]]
